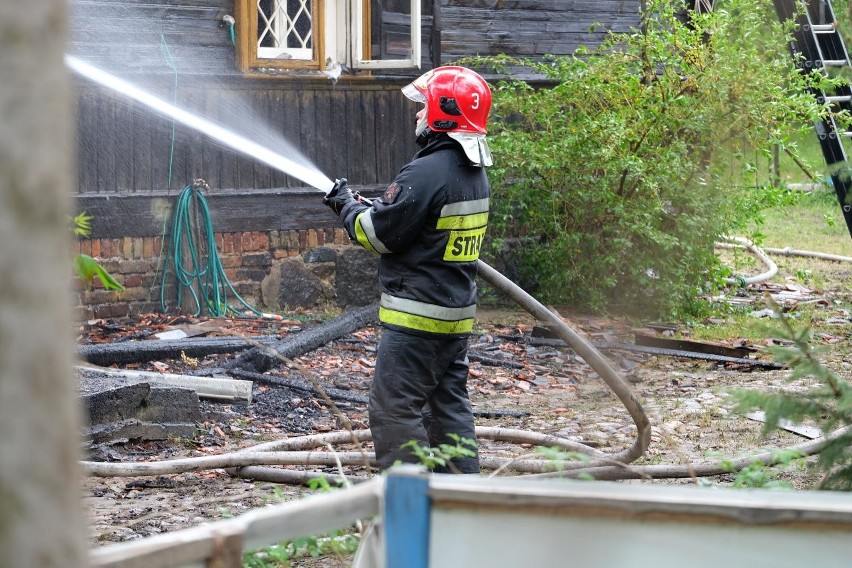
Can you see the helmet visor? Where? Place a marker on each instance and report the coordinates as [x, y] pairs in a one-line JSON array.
[[413, 93]]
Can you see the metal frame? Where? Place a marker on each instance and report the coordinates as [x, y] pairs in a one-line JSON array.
[[816, 46]]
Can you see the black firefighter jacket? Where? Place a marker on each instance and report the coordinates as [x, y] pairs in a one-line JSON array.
[[428, 228]]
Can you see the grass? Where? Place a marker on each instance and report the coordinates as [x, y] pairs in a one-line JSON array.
[[813, 223]]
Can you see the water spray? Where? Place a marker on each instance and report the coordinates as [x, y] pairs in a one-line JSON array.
[[231, 139]]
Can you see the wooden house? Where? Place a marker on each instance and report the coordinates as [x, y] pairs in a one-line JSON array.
[[316, 81]]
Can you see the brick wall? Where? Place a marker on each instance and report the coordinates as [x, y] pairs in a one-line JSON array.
[[136, 262]]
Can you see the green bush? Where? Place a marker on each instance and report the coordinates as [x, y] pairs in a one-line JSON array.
[[612, 182]]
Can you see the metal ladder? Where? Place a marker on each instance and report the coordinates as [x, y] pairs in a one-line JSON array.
[[817, 46]]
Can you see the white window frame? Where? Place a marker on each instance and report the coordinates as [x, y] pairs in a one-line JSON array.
[[357, 31], [304, 54]]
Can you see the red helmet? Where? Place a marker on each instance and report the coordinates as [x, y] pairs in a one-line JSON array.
[[456, 98]]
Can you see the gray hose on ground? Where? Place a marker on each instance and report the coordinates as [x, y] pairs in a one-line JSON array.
[[739, 242], [590, 355], [808, 254]]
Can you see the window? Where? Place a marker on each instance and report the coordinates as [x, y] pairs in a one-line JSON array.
[[284, 29], [327, 34]]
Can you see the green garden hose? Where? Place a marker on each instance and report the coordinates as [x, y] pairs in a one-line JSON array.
[[194, 260]]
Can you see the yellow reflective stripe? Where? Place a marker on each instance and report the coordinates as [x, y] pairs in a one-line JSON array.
[[463, 221], [464, 246], [422, 323], [361, 235]]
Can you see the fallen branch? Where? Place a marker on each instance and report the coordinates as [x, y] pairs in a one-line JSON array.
[[768, 458], [290, 451], [260, 358], [290, 476], [494, 361], [106, 354], [222, 461]]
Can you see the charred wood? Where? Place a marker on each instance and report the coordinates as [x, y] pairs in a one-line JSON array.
[[339, 394], [106, 354], [260, 360]]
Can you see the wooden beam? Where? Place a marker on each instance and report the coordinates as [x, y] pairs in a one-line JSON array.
[[206, 387]]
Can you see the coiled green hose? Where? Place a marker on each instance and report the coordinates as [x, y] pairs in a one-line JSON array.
[[196, 265]]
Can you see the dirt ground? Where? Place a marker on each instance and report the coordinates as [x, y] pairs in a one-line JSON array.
[[684, 398]]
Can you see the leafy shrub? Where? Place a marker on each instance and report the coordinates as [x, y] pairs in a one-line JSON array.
[[612, 182]]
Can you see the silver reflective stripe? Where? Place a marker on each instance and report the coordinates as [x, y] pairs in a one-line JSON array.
[[366, 221], [465, 207], [427, 310]]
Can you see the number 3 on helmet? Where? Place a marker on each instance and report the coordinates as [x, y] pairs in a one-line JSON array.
[[456, 98]]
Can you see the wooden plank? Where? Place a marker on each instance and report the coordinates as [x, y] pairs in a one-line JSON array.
[[123, 140], [161, 154], [538, 27], [246, 107], [124, 14], [300, 126], [592, 6], [140, 214], [210, 151], [192, 141], [105, 143], [354, 127], [87, 163], [258, 528], [181, 34], [810, 432], [205, 387], [383, 172], [228, 167], [329, 136], [266, 111], [399, 134], [511, 44], [142, 156], [747, 507], [148, 62], [369, 142]]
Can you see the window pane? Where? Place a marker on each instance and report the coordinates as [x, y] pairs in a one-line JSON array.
[[284, 29], [391, 29]]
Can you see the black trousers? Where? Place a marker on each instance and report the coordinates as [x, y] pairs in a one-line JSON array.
[[419, 392]]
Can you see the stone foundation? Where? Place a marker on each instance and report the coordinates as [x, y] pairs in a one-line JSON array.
[[271, 271]]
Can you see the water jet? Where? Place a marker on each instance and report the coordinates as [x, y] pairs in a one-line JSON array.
[[233, 140]]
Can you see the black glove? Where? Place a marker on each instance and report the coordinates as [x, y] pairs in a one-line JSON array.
[[339, 196]]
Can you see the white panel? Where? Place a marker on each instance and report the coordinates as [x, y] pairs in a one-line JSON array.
[[462, 538]]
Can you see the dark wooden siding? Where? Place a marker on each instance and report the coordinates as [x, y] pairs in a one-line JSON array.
[[363, 134], [139, 36], [529, 28]]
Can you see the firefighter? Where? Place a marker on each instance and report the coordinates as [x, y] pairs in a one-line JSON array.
[[428, 228]]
